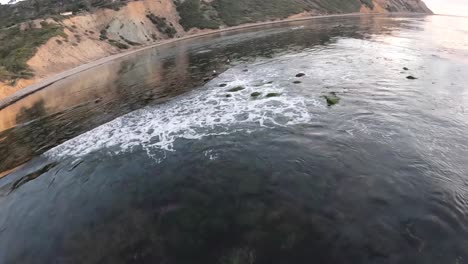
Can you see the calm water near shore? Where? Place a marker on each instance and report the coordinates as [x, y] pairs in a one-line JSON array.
[[338, 140]]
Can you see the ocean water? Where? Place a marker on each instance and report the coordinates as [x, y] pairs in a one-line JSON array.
[[215, 150]]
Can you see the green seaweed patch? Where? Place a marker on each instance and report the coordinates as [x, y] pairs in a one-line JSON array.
[[236, 89], [273, 94], [332, 98], [255, 94]]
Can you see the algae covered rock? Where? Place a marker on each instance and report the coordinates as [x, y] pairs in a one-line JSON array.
[[332, 98], [273, 94], [236, 89]]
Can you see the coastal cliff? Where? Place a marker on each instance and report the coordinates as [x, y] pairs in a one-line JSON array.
[[41, 38]]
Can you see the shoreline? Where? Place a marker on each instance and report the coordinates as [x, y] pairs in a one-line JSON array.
[[48, 81]]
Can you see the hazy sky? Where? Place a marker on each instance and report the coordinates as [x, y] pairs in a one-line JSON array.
[[452, 7]]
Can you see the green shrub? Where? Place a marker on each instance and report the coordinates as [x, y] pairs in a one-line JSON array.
[[103, 34], [191, 16], [17, 47], [129, 42], [368, 3], [162, 25], [117, 44], [233, 13]]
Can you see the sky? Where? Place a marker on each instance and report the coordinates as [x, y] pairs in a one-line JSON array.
[[446, 7]]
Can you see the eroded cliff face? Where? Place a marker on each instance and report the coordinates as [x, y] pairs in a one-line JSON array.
[[91, 36]]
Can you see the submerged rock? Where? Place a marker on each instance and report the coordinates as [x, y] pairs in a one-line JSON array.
[[239, 255], [297, 82], [33, 175], [411, 77], [406, 69], [228, 95], [255, 94], [236, 89], [273, 94], [332, 98], [300, 75], [223, 85]]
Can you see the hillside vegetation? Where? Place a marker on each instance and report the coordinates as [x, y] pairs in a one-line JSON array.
[[34, 9], [17, 46], [212, 14]]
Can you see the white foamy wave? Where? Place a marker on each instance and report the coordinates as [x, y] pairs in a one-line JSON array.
[[204, 112]]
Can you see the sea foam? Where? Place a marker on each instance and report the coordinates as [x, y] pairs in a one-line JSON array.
[[206, 111]]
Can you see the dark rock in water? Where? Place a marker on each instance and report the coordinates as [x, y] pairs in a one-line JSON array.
[[297, 82], [273, 94], [33, 175], [236, 89], [207, 79], [406, 69], [245, 70], [332, 98], [270, 82], [300, 75], [223, 85], [411, 77], [228, 95], [255, 94]]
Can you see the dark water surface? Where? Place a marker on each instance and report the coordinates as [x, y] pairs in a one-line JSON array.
[[153, 159]]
